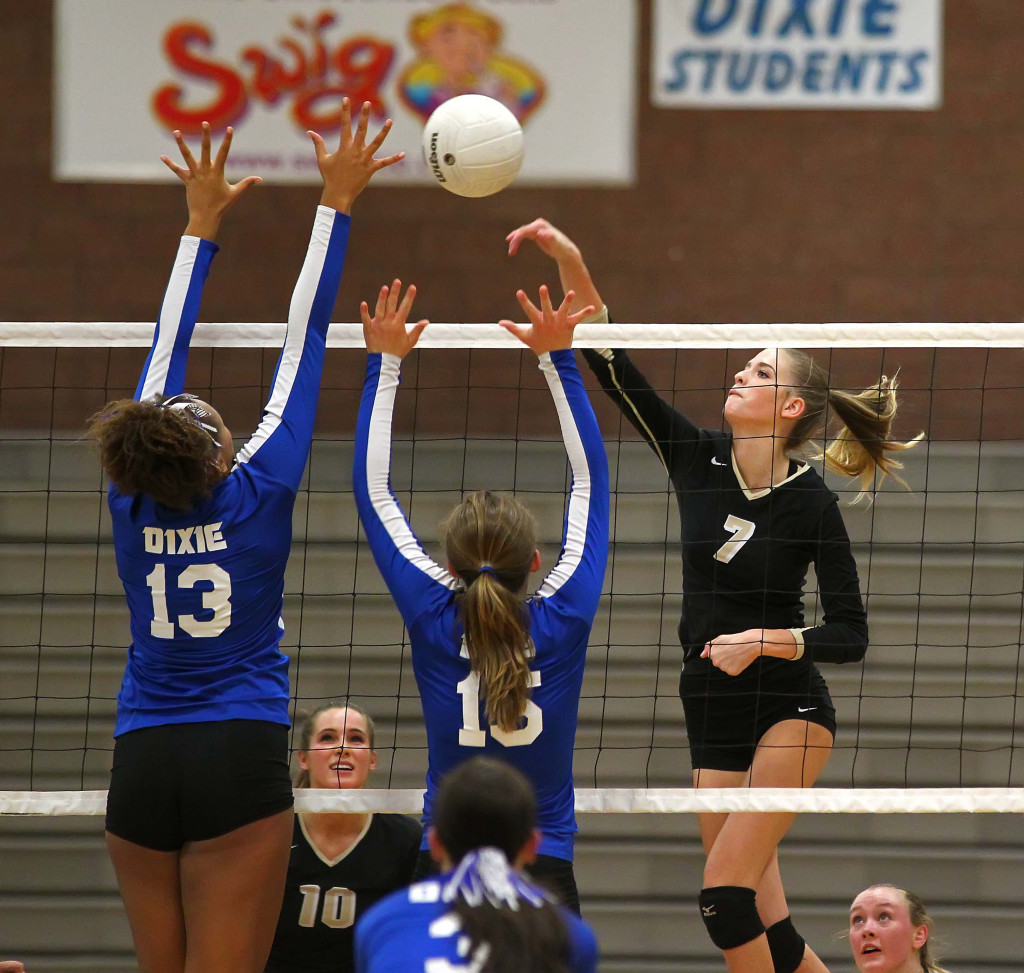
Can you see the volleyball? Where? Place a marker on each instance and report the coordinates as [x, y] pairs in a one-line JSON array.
[[473, 145]]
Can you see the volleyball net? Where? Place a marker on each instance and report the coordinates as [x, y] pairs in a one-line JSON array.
[[932, 720]]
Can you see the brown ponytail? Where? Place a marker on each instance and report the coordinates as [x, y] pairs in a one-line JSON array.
[[861, 447], [158, 452], [490, 540]]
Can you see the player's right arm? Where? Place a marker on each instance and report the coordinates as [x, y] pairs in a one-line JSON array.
[[209, 195], [669, 433], [412, 576]]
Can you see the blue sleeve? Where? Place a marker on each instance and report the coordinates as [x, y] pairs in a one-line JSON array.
[[414, 579], [584, 945], [280, 446], [578, 575], [164, 371]]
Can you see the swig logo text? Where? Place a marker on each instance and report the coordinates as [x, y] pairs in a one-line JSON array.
[[306, 69]]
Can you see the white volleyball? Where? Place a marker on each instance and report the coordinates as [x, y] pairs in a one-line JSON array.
[[473, 145]]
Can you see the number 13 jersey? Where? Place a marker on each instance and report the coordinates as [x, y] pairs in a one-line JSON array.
[[205, 586]]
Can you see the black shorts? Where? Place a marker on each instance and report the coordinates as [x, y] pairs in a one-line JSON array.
[[726, 716], [193, 781], [554, 874]]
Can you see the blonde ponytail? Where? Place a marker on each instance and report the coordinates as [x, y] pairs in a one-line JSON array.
[[490, 542], [862, 446]]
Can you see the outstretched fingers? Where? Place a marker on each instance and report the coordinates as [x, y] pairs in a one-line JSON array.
[[549, 328], [386, 331], [222, 152]]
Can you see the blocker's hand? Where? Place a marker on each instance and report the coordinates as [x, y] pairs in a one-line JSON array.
[[549, 329], [386, 331], [207, 191], [348, 169]]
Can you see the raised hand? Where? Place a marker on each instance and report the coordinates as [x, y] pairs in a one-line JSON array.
[[551, 240], [207, 191], [386, 331], [572, 271], [549, 328], [347, 170]]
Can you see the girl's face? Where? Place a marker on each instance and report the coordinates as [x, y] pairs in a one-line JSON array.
[[339, 753], [760, 398], [882, 937]]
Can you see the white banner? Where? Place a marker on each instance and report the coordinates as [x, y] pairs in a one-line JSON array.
[[129, 72], [797, 54]]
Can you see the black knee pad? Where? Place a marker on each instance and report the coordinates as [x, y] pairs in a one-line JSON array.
[[786, 944], [730, 915]]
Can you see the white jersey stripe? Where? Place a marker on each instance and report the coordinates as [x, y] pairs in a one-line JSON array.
[[169, 321], [295, 337], [378, 474], [578, 515]]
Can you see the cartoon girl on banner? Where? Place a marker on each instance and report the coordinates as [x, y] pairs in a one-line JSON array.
[[457, 46]]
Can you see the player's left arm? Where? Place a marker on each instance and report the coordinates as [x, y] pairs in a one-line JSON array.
[[579, 571], [843, 634], [280, 446]]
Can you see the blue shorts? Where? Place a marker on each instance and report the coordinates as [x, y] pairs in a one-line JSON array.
[[186, 782]]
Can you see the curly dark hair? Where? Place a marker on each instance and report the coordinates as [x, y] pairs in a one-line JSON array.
[[157, 452]]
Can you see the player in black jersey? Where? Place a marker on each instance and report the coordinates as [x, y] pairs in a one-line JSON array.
[[754, 518], [341, 864]]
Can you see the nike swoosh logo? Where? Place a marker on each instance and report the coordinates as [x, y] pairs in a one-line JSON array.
[[805, 709], [715, 461]]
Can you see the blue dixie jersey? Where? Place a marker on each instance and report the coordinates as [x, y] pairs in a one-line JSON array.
[[561, 612], [205, 586], [414, 931]]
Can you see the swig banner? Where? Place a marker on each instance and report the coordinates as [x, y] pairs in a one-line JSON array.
[[797, 53], [128, 73]]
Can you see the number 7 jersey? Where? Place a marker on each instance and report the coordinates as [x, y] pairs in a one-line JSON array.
[[561, 612], [205, 586]]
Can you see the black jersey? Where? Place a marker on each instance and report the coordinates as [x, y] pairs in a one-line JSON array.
[[323, 899], [745, 554]]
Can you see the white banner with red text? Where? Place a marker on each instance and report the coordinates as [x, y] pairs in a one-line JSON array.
[[129, 73]]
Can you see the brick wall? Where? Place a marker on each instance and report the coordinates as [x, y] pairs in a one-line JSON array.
[[735, 216]]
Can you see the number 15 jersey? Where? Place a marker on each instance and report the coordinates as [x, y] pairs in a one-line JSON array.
[[561, 612]]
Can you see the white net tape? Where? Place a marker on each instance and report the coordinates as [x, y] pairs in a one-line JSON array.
[[622, 800], [132, 334]]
